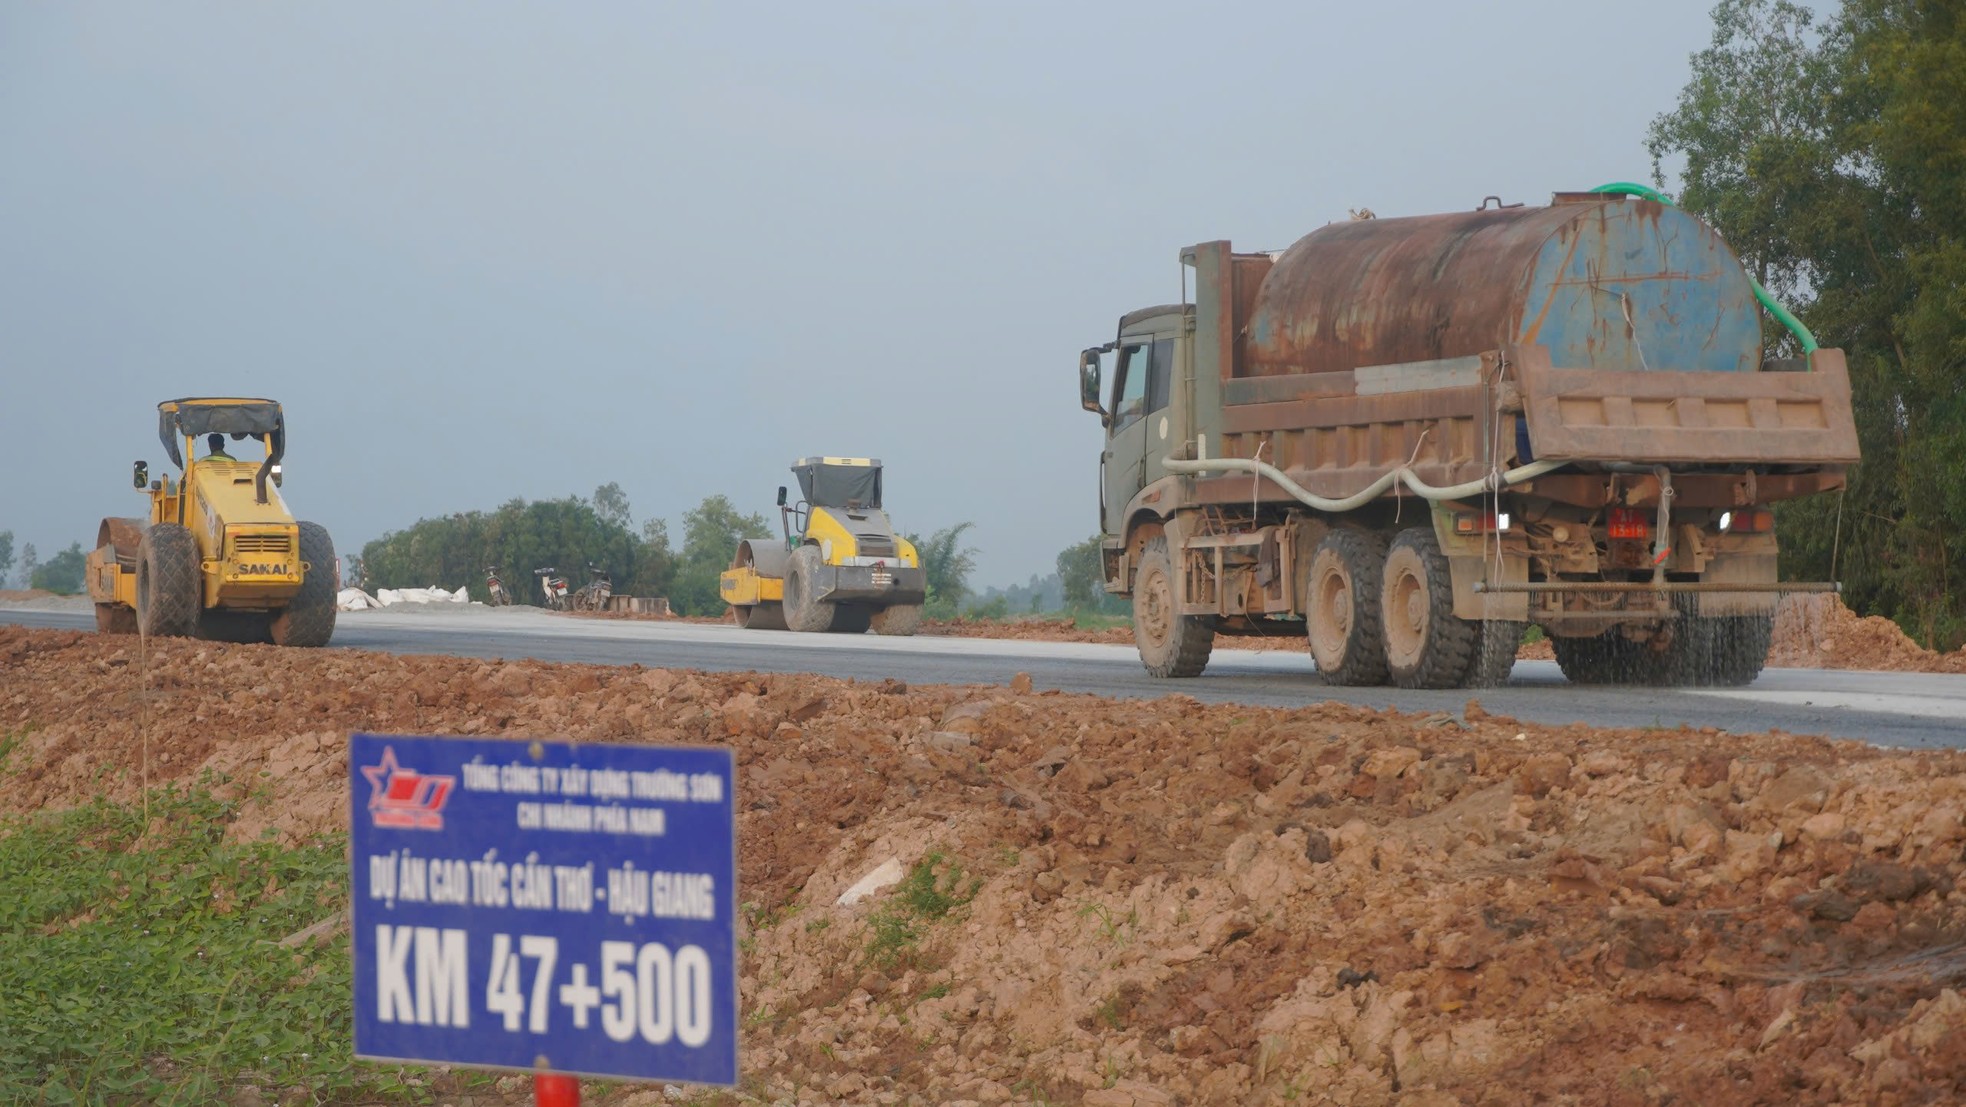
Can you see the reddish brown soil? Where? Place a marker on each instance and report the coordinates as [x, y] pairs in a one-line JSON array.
[[1179, 903], [1818, 632]]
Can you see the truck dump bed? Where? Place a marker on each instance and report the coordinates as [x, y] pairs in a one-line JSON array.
[[1598, 330]]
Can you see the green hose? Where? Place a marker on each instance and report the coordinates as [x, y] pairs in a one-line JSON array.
[[1782, 315]]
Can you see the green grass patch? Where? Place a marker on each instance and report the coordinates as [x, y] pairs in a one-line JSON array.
[[1086, 619], [936, 886], [145, 967]]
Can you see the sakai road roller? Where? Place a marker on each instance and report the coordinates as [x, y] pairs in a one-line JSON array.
[[840, 566], [219, 555]]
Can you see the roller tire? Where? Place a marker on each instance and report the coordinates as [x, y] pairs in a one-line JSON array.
[[899, 620], [1343, 624], [170, 582], [308, 619], [1426, 645], [762, 616], [114, 618], [1171, 644], [236, 626], [850, 619], [803, 613]]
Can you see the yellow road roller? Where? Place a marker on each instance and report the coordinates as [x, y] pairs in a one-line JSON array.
[[839, 567], [219, 556]]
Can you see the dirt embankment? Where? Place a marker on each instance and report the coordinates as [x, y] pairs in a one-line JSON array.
[[1179, 903]]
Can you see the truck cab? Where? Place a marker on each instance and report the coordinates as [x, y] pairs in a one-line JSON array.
[[1142, 365]]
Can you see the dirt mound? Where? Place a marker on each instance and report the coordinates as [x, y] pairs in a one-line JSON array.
[[17, 595], [1173, 902], [1816, 631]]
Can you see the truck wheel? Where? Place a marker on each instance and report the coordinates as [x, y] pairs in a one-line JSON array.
[[308, 619], [802, 612], [170, 584], [1739, 648], [1612, 658], [761, 616], [900, 620], [1347, 639], [1171, 644], [114, 618], [1426, 646], [1495, 646]]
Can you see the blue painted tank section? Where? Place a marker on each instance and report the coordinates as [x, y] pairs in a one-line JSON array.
[[1625, 288]]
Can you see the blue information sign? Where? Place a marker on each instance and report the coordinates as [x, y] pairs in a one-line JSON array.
[[545, 905]]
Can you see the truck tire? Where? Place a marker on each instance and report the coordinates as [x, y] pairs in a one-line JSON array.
[[170, 582], [114, 618], [1342, 621], [308, 619], [1171, 644], [1426, 645], [1739, 648], [760, 616], [1496, 644], [1608, 658], [899, 620], [803, 613]]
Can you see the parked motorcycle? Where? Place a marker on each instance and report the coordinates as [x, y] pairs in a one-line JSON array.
[[496, 588], [553, 587], [593, 596]]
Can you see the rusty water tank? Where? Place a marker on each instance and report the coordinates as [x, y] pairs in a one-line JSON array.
[[1604, 282]]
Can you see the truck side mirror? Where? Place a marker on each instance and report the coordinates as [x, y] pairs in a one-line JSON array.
[[140, 474], [1089, 384], [781, 495]]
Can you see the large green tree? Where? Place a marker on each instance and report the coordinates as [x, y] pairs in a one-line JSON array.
[[1082, 572], [711, 531], [1833, 163], [566, 535], [946, 565], [63, 572]]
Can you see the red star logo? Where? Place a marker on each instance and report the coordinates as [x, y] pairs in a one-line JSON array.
[[404, 798]]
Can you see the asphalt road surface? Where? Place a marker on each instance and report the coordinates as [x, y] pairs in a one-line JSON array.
[[1914, 710]]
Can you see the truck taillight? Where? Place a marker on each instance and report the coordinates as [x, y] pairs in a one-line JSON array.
[[1748, 520], [1482, 522], [1629, 522]]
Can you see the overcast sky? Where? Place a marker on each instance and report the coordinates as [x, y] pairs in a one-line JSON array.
[[486, 250]]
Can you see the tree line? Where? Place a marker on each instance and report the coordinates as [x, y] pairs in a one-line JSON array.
[[1831, 157], [574, 533]]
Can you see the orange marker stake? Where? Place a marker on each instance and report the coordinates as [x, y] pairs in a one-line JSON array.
[[555, 1090]]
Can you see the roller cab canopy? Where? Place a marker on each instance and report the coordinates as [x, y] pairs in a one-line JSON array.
[[841, 482], [191, 417]]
